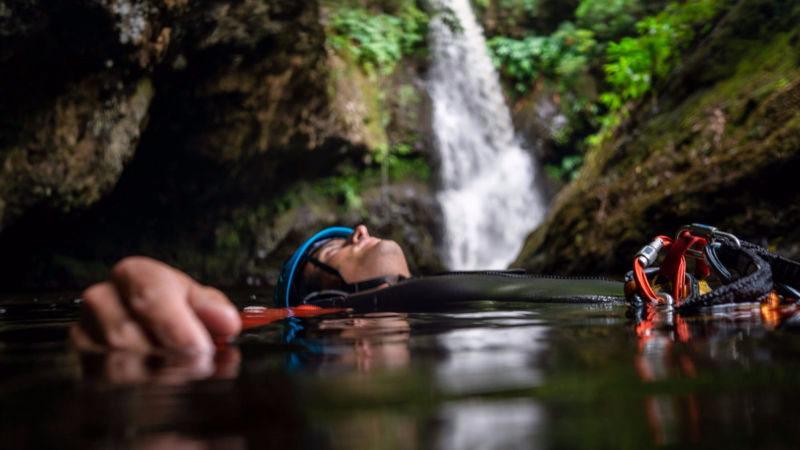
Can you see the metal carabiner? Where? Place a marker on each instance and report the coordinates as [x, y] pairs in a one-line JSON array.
[[710, 233]]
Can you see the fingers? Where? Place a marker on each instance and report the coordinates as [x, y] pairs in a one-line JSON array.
[[106, 321], [157, 296], [148, 304], [214, 310]]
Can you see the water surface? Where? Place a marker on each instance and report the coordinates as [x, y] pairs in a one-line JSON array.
[[485, 375]]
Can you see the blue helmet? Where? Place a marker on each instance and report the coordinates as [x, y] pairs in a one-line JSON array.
[[283, 290]]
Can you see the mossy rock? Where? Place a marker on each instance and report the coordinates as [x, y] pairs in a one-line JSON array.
[[721, 148]]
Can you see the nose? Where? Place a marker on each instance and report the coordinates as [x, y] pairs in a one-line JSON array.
[[359, 234]]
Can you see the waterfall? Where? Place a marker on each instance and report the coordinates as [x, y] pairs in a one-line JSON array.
[[488, 196]]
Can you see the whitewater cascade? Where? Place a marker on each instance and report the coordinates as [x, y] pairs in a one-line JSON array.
[[488, 197]]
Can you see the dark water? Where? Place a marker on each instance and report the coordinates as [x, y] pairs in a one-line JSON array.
[[486, 375]]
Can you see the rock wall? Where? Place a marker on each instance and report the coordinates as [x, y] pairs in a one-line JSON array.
[[719, 144], [73, 106], [171, 129], [78, 79]]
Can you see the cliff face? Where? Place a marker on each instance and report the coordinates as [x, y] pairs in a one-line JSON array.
[[172, 129], [74, 106], [719, 144]]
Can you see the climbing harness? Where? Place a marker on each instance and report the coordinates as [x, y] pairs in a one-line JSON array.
[[742, 272]]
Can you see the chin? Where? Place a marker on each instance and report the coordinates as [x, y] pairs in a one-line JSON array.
[[387, 247]]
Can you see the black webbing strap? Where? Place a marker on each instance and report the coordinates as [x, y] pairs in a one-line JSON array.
[[784, 270], [749, 273]]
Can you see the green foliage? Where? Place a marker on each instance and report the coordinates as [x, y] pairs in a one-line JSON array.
[[608, 19], [634, 63], [346, 188], [631, 67], [529, 6], [227, 238], [374, 36], [377, 41], [567, 169], [560, 56], [562, 60], [480, 6], [402, 162], [522, 60], [610, 54], [399, 163], [520, 18]]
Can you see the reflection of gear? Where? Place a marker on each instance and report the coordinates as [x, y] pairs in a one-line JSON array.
[[292, 326], [291, 330]]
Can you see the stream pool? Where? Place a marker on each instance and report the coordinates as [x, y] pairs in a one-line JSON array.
[[482, 375]]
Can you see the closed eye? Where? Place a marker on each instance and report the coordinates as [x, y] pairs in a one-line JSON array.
[[328, 247]]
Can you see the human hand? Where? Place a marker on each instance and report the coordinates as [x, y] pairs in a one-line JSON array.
[[147, 305]]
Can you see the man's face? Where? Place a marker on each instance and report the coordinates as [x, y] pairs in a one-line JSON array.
[[359, 257]]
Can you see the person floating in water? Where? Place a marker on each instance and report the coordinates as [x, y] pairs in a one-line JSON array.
[[146, 304]]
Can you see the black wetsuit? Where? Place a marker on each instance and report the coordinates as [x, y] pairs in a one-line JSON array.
[[453, 287]]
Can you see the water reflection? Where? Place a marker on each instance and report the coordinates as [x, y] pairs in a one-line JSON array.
[[481, 424], [373, 428], [493, 375], [177, 441], [672, 347], [127, 368], [490, 358], [367, 342], [657, 332]]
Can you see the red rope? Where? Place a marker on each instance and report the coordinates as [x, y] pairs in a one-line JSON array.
[[673, 267], [642, 284]]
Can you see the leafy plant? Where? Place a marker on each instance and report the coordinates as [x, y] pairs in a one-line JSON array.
[[567, 169], [401, 162], [562, 55], [608, 19], [562, 60], [377, 41], [528, 6], [635, 62]]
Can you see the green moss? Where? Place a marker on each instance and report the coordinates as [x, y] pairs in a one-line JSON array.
[[739, 134], [408, 97], [760, 70], [358, 98]]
